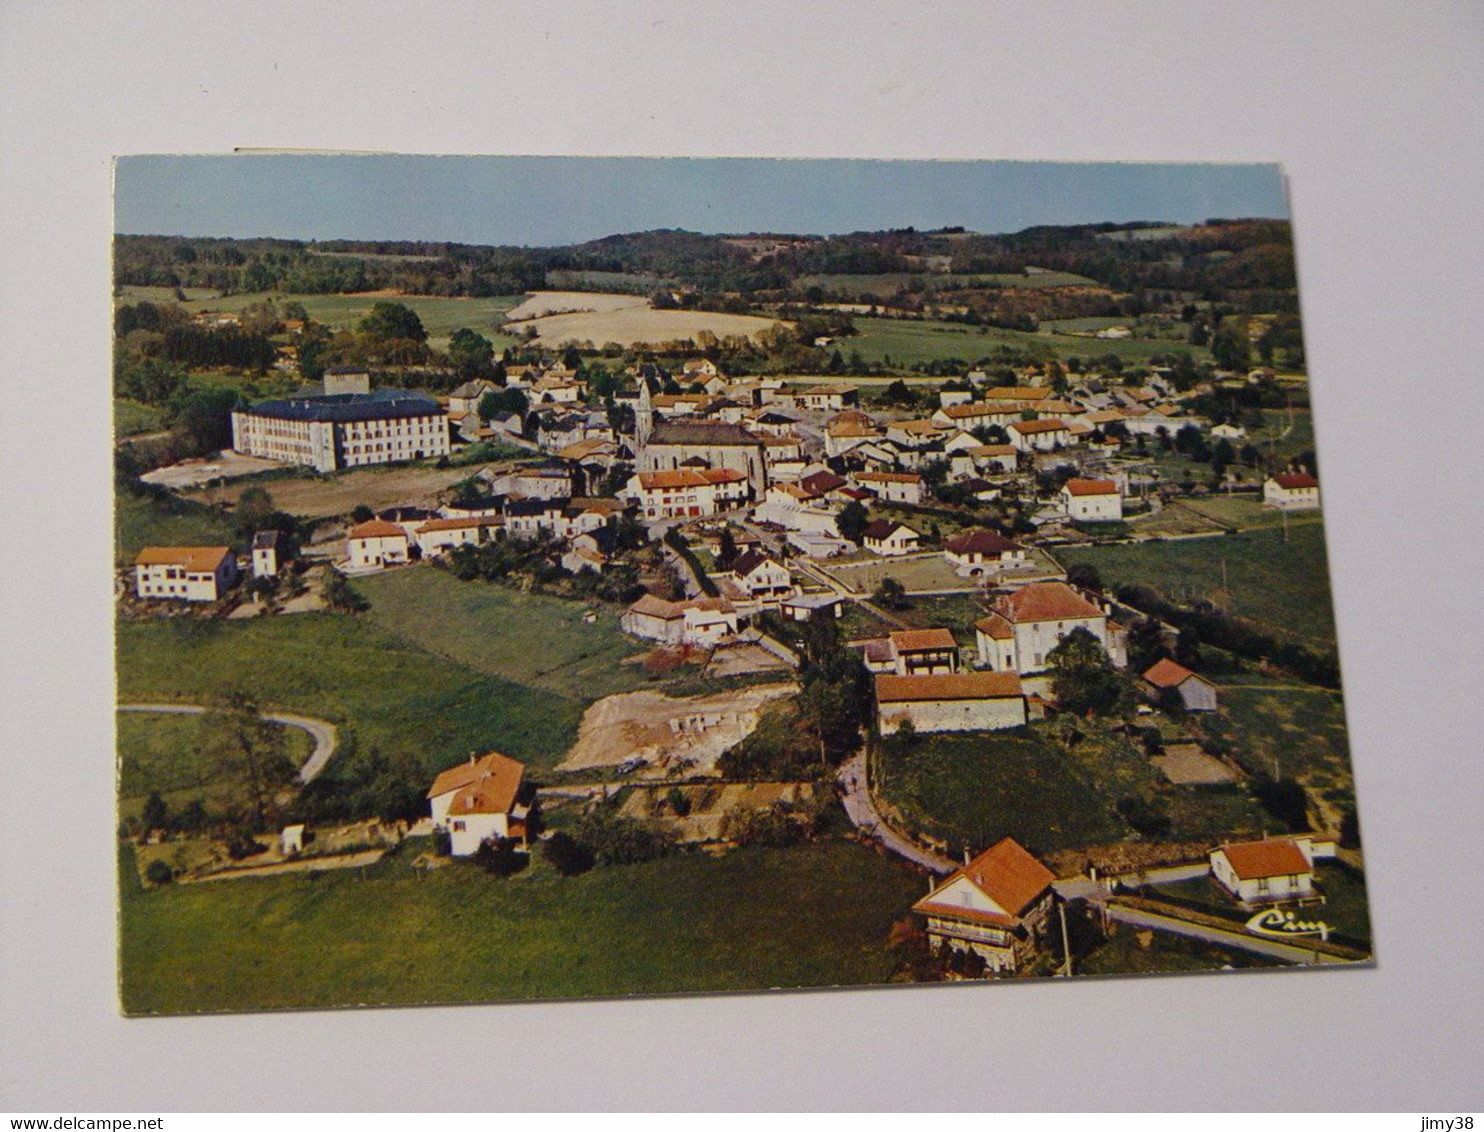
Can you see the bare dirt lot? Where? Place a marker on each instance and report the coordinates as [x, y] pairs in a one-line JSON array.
[[711, 806], [317, 497], [658, 729], [579, 316], [1185, 764], [222, 466]]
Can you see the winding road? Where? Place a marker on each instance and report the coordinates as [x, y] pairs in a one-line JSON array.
[[322, 731], [863, 812]]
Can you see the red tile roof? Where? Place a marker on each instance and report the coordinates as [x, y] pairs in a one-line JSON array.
[[1026, 427], [1276, 857], [957, 686], [1296, 481], [1167, 674], [377, 528], [1092, 487], [1007, 874], [981, 542], [689, 477], [1046, 601], [493, 766], [915, 640], [194, 559], [995, 627]]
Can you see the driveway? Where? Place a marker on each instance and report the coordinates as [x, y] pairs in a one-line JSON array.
[[322, 731], [868, 820]]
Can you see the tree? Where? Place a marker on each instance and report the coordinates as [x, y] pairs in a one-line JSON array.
[[393, 320], [1146, 644], [1084, 679], [159, 872], [1231, 347], [1085, 576], [251, 755], [254, 509], [934, 473], [471, 354], [891, 594], [362, 513], [566, 854], [726, 553], [501, 402], [499, 855], [852, 521], [156, 813]]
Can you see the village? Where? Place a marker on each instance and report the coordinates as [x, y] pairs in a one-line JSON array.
[[1032, 657]]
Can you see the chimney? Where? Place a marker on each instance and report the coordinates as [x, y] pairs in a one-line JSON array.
[[966, 854]]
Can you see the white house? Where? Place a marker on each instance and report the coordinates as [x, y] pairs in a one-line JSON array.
[[958, 701], [703, 622], [1039, 436], [889, 538], [1260, 872], [993, 459], [1195, 692], [266, 547], [1024, 626], [997, 906], [377, 543], [827, 398], [688, 492], [843, 435], [1229, 432], [760, 576], [1092, 501], [893, 487], [976, 553], [479, 800], [1292, 491], [184, 573], [438, 535]]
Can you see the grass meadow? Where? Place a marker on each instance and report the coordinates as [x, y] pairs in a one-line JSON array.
[[814, 915]]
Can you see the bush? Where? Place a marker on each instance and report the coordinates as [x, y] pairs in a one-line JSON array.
[[1146, 817], [159, 873], [679, 803], [499, 855], [1286, 800], [616, 840], [1350, 829], [566, 854], [442, 843]]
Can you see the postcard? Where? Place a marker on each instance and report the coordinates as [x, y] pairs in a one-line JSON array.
[[560, 577]]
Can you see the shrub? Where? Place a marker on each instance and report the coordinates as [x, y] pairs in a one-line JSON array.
[[499, 855], [1286, 800], [566, 854], [1146, 817], [159, 873], [679, 803]]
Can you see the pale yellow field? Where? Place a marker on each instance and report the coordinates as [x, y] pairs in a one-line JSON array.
[[628, 320]]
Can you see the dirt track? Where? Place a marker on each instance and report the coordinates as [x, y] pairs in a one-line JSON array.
[[654, 727]]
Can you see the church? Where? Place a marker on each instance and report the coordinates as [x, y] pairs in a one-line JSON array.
[[666, 445]]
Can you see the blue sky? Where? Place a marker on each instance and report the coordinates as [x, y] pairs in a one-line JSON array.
[[561, 200]]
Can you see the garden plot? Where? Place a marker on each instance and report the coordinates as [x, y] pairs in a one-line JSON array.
[[712, 809]]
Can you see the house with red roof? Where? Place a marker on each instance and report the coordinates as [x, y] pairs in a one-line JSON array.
[[1023, 627], [377, 543], [1267, 871], [997, 906], [703, 622], [889, 538], [1291, 491], [923, 652], [1196, 692], [184, 573], [1092, 501], [478, 801]]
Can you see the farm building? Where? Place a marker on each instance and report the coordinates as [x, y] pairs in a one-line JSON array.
[[997, 906], [1023, 627], [893, 487], [959, 701], [479, 800], [923, 652], [1294, 491], [806, 607], [1092, 501], [701, 621], [1195, 692], [184, 573], [331, 431]]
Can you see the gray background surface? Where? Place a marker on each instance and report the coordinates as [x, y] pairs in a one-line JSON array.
[[1373, 108]]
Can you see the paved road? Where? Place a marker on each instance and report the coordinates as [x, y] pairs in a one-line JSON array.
[[322, 731], [1139, 918], [863, 813]]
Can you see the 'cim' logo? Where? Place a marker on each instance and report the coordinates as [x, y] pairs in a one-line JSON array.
[[1278, 924]]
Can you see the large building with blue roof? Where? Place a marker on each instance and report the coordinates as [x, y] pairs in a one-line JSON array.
[[328, 432]]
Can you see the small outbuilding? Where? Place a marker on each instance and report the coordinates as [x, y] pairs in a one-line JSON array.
[[1196, 692]]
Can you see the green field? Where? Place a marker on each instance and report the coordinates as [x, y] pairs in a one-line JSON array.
[[163, 753], [1296, 730], [817, 915], [140, 522], [909, 343], [541, 642], [131, 418], [1165, 954], [440, 316], [976, 788], [1283, 586], [389, 693]]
